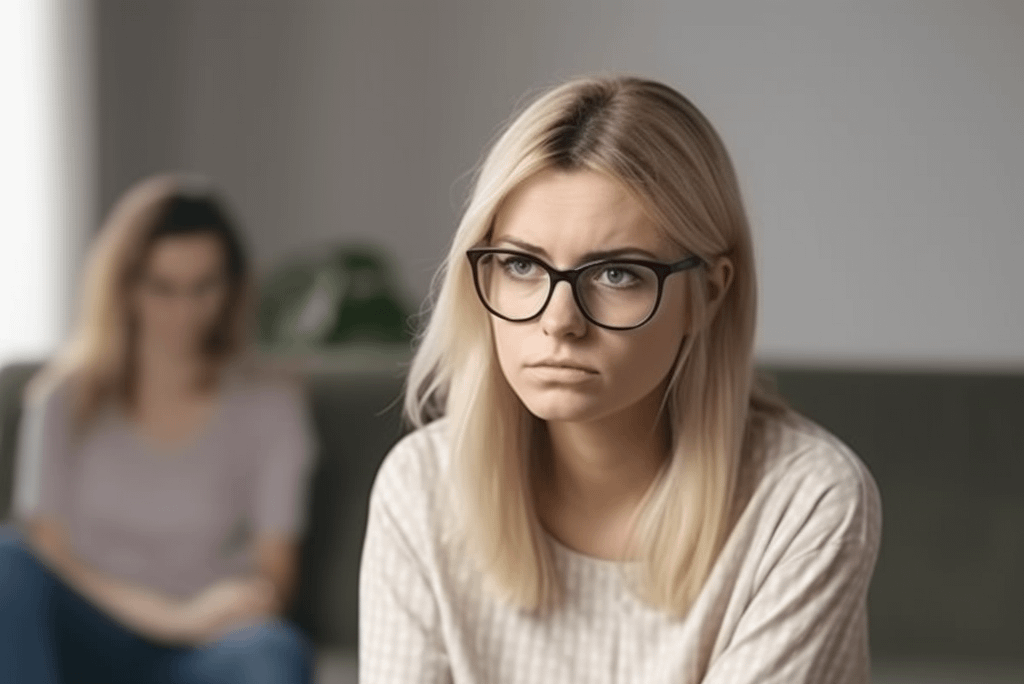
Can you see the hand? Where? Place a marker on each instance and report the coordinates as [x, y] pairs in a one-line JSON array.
[[226, 605]]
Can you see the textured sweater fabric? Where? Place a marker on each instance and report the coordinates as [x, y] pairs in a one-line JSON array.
[[785, 602]]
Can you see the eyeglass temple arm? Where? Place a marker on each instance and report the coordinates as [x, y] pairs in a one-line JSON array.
[[688, 262]]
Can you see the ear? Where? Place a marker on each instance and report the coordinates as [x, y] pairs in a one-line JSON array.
[[719, 279]]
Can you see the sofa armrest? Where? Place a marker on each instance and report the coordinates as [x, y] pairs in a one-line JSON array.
[[13, 379]]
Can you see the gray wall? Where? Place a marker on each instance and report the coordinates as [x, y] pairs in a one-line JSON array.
[[309, 115], [879, 144]]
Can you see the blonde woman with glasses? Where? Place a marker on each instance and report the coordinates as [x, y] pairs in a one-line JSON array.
[[598, 489]]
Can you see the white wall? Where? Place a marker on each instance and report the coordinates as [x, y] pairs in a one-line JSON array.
[[880, 143]]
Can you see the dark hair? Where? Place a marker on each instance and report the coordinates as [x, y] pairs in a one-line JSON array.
[[580, 128], [191, 214]]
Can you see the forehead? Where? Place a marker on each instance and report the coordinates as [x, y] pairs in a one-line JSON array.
[[185, 256], [569, 213]]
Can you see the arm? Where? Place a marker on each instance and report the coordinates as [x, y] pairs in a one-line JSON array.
[[151, 614], [277, 563], [235, 602], [807, 623], [279, 496], [146, 612], [806, 619], [400, 636]]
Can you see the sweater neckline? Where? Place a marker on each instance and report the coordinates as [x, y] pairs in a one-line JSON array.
[[580, 558]]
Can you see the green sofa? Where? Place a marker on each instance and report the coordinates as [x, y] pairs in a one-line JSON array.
[[947, 451]]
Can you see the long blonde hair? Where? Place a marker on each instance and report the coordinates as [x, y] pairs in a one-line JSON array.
[[97, 361], [661, 148]]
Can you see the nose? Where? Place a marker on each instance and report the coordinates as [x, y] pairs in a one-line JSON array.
[[562, 317], [185, 310]]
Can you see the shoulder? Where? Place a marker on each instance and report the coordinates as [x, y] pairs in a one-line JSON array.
[[417, 461], [50, 397], [413, 471], [814, 490]]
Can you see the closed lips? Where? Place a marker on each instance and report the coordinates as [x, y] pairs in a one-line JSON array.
[[563, 365]]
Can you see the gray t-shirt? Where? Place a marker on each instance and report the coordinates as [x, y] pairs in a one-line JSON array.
[[171, 519]]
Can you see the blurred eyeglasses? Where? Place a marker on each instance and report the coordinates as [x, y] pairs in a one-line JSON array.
[[617, 294]]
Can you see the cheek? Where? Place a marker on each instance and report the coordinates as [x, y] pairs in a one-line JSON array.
[[211, 306], [643, 360], [637, 363], [153, 308], [508, 347], [203, 314]]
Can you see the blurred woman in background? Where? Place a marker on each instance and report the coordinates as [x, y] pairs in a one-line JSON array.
[[160, 484]]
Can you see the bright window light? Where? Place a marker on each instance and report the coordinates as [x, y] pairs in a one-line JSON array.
[[30, 250]]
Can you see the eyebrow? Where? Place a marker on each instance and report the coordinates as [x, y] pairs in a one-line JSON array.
[[599, 255]]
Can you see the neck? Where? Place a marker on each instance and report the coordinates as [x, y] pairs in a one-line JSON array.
[[606, 466]]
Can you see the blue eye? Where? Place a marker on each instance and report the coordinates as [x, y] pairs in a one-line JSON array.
[[616, 276], [518, 266]]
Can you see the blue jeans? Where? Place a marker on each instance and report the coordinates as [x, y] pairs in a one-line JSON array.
[[51, 635]]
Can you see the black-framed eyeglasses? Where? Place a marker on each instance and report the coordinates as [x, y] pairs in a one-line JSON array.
[[617, 294]]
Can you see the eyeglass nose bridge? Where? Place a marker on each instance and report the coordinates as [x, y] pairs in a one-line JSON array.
[[571, 277]]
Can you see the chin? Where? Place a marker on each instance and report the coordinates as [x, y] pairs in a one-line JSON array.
[[562, 407], [180, 345]]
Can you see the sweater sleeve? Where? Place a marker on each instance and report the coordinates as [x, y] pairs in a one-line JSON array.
[[43, 477], [287, 453], [807, 624], [399, 622], [806, 621]]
